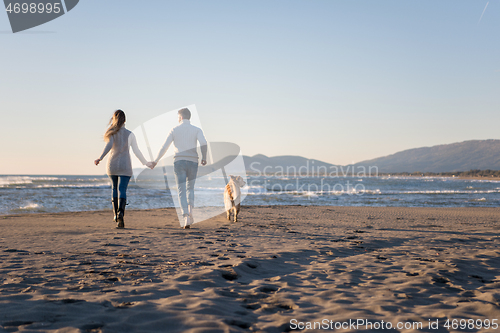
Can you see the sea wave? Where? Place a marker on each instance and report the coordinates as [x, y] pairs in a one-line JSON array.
[[352, 190], [106, 185], [444, 192], [44, 181], [49, 186], [8, 181], [29, 208]]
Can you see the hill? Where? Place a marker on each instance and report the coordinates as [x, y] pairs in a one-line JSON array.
[[462, 156], [284, 165]]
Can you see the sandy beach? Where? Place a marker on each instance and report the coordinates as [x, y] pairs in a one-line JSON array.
[[278, 268]]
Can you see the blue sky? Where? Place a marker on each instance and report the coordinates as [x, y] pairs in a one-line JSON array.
[[338, 81]]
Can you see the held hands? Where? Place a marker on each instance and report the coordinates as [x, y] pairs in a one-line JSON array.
[[152, 165]]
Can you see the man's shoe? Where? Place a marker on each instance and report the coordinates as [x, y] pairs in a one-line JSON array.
[[191, 214], [187, 222]]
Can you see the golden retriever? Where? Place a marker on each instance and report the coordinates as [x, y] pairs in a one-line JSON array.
[[232, 196]]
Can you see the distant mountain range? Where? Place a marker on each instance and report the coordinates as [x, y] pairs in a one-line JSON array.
[[286, 164], [462, 156]]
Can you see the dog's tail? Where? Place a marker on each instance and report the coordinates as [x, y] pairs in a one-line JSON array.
[[228, 189]]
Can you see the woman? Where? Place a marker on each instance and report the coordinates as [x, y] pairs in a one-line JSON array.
[[119, 166]]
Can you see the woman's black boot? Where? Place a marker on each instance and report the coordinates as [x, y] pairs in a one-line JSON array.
[[115, 209], [121, 212]]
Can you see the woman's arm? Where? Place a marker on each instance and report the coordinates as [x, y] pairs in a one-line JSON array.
[[106, 150], [135, 149]]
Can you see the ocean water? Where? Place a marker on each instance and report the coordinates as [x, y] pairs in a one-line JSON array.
[[47, 194]]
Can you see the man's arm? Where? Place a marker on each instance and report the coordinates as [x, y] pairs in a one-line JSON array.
[[203, 146], [163, 150]]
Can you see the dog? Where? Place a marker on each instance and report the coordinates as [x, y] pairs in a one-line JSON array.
[[232, 196]]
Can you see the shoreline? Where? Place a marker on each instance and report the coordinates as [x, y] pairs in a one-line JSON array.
[[109, 212], [271, 175], [382, 175], [450, 177]]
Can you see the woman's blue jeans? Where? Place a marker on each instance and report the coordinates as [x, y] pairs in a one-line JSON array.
[[119, 186], [185, 177]]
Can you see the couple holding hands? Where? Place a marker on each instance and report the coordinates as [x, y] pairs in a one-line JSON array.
[[119, 165]]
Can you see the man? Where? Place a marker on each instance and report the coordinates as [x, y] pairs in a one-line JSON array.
[[185, 137]]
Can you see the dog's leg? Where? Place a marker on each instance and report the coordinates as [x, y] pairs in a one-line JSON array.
[[236, 211]]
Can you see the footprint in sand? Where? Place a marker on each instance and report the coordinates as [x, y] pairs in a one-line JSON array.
[[278, 307], [252, 264], [269, 288], [238, 323], [229, 274], [92, 327], [440, 280], [253, 306]]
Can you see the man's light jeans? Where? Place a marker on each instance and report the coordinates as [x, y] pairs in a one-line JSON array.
[[185, 176]]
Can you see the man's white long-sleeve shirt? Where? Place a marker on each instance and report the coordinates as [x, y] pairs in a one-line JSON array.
[[185, 137]]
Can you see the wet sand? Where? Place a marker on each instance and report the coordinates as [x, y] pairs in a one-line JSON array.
[[74, 272]]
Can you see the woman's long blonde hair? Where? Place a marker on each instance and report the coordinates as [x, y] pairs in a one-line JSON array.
[[115, 124]]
